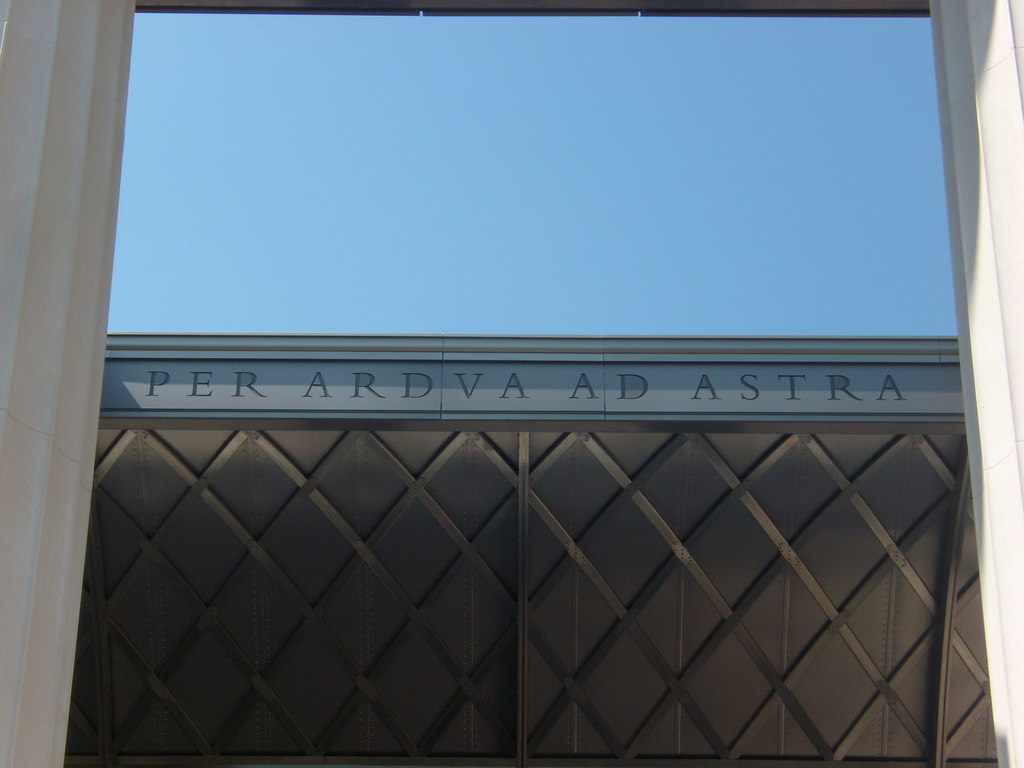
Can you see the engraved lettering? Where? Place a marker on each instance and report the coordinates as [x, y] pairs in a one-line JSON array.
[[838, 383], [626, 388], [427, 383], [365, 381], [154, 382], [889, 385], [751, 385], [513, 383], [462, 383], [705, 384], [248, 384], [197, 383], [792, 383], [583, 383], [318, 381]]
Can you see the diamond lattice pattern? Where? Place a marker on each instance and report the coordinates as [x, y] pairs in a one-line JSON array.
[[318, 594]]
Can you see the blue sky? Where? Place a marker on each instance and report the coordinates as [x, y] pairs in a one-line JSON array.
[[623, 175]]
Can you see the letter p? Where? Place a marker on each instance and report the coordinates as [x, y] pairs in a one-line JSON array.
[[157, 379]]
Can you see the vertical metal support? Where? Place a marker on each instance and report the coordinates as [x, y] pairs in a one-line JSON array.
[[522, 597], [981, 89], [962, 498], [101, 628]]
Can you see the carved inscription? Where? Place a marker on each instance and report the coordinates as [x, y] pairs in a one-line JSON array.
[[507, 389], [632, 386]]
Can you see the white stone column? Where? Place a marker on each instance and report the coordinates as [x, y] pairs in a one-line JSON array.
[[979, 66], [63, 86]]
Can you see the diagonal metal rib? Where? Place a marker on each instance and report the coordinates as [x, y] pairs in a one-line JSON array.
[[626, 619], [575, 555], [103, 467], [488, 529], [489, 658], [816, 591], [397, 592], [451, 709], [572, 687], [982, 703], [879, 531], [157, 688], [874, 706], [730, 624], [443, 518], [209, 621], [634, 490], [78, 718], [416, 620], [968, 593], [195, 490], [257, 551], [802, 663], [564, 562], [113, 455], [550, 459], [604, 646], [307, 486], [635, 631], [948, 476], [978, 707], [327, 637], [137, 568], [900, 560], [364, 687]]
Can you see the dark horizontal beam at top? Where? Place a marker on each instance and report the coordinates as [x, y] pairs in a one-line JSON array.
[[555, 7]]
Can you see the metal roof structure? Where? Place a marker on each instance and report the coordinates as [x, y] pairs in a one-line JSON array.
[[678, 587], [653, 7]]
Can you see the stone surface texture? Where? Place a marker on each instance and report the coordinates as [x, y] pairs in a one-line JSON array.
[[979, 66], [63, 86]]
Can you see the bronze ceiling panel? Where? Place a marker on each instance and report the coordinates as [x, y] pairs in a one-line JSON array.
[[319, 597]]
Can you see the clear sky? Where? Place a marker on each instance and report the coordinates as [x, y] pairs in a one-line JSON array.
[[623, 175]]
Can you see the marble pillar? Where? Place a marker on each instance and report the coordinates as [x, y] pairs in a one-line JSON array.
[[63, 87], [979, 66]]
